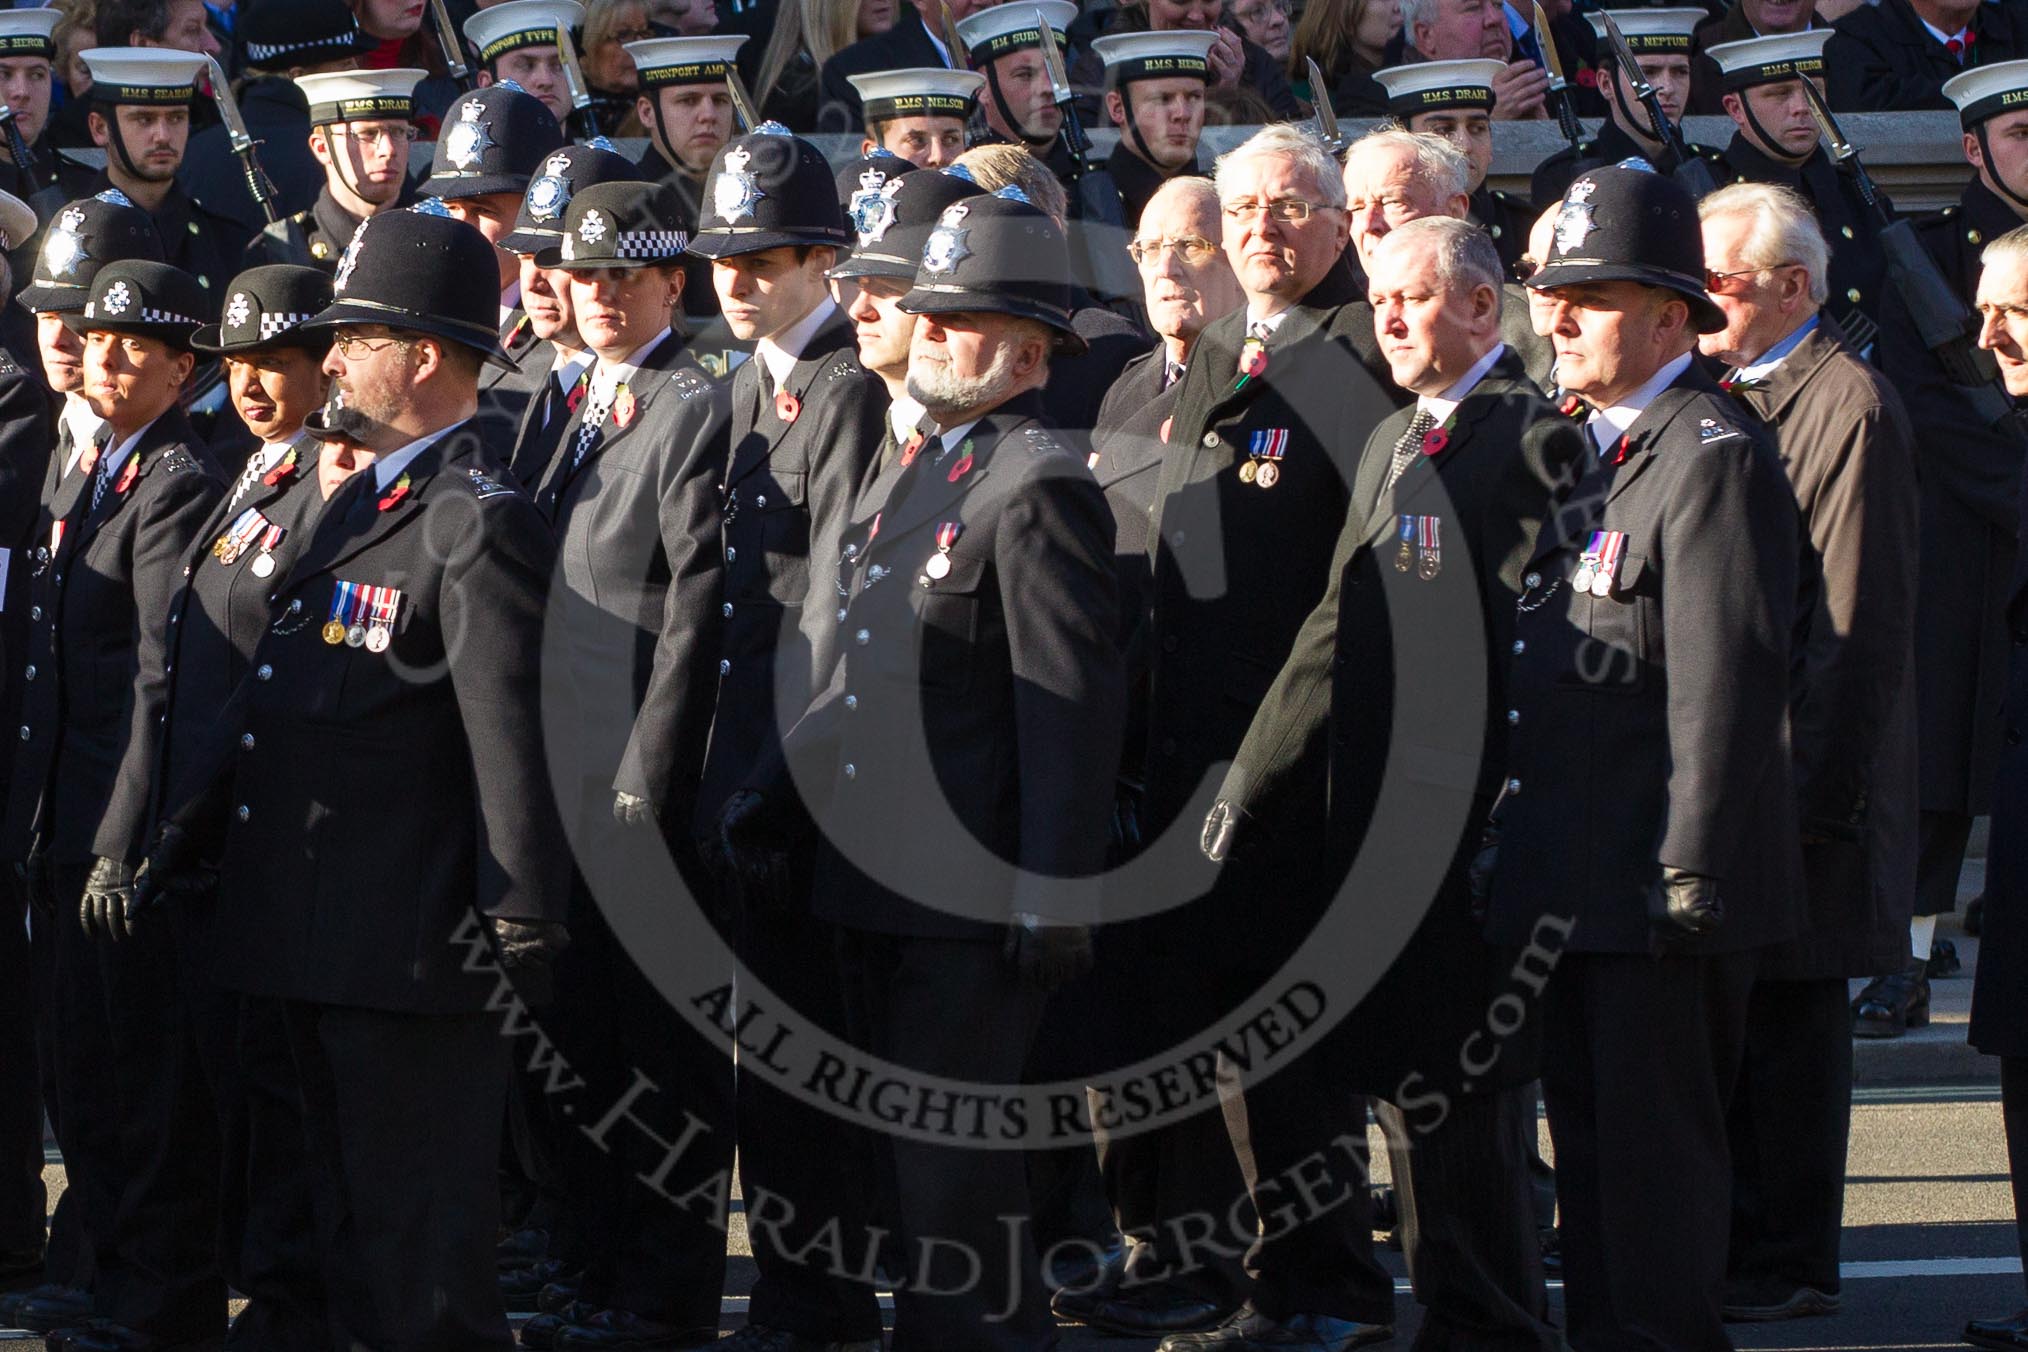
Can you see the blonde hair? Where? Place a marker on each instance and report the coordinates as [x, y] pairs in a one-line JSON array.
[[994, 167], [822, 28], [1324, 31]]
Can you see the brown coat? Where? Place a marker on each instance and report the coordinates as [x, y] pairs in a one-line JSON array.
[[1845, 441]]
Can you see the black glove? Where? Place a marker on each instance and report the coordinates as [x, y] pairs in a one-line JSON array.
[[1479, 873], [36, 887], [171, 870], [528, 952], [1227, 827], [632, 810], [1045, 953], [1684, 906], [751, 854], [107, 908]]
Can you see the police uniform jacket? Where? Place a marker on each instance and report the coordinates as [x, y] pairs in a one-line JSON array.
[[991, 694], [1649, 726], [542, 424], [504, 394], [1881, 57], [324, 229], [378, 799], [1969, 474], [27, 439], [1388, 618], [278, 117], [1858, 267], [1077, 386], [787, 494], [1126, 458], [222, 610], [638, 609], [2000, 987], [1845, 441], [97, 645], [1612, 144]]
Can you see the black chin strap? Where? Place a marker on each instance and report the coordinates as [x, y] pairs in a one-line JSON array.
[[111, 113], [1134, 128], [993, 80], [1769, 145], [1993, 172], [338, 163], [1627, 118]]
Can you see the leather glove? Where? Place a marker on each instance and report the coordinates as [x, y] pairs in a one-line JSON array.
[[1479, 873], [36, 886], [528, 951], [750, 853], [171, 870], [1227, 827], [1045, 953], [1684, 906], [632, 810], [107, 908]]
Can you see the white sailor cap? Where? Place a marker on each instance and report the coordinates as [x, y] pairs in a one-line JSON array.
[[684, 61], [360, 95], [1176, 53], [1009, 27], [157, 75], [1653, 32], [1432, 86], [1984, 91], [26, 32], [500, 29], [17, 221], [1764, 60], [917, 91]]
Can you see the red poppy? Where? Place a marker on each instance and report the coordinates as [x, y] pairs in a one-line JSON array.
[[394, 494], [961, 469], [1434, 440], [129, 474], [787, 406], [283, 471], [623, 407]]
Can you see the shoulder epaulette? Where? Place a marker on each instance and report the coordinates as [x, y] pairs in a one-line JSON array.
[[1711, 430], [689, 382], [8, 366], [1041, 441], [843, 365], [484, 485], [177, 461]]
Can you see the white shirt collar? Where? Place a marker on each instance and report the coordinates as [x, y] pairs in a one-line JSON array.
[[510, 300], [1608, 425], [389, 466], [785, 349], [567, 365], [954, 437], [1441, 406], [610, 375], [1943, 37], [1273, 321], [84, 426], [269, 455], [903, 415], [116, 456]]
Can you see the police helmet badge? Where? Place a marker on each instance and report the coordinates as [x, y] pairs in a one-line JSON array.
[[549, 194], [64, 250], [734, 192], [592, 228], [350, 258], [470, 139], [1574, 219], [872, 207], [118, 299], [237, 313], [946, 247]]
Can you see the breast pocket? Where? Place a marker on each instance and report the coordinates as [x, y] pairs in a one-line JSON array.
[[779, 500], [950, 612], [1614, 653]]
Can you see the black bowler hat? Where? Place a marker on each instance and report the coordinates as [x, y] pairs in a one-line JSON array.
[[419, 271], [564, 175], [493, 140], [767, 189], [1619, 224], [999, 254], [267, 307], [282, 33], [85, 236], [860, 183], [148, 299], [619, 225], [893, 232]]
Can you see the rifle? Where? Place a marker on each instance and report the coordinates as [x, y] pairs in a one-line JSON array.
[[1946, 325], [453, 49], [742, 101], [1559, 89], [1072, 132], [1686, 169], [242, 142], [584, 120], [17, 144], [1327, 117]]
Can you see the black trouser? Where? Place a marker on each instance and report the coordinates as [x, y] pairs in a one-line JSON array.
[[1941, 858], [401, 1113], [1067, 1193], [1178, 1195], [951, 1007], [1639, 1061], [1790, 1121], [792, 1186], [139, 1116], [2014, 1119], [23, 1201], [68, 1260], [1468, 1222]]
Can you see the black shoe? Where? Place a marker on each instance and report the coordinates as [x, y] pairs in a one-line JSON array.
[[560, 1296], [522, 1287], [521, 1248], [1761, 1305], [1251, 1331], [1150, 1311], [1552, 1251], [623, 1328], [2005, 1334], [541, 1331], [1975, 915], [1943, 960], [1891, 1005], [62, 1308], [761, 1338], [12, 1301], [1085, 1267]]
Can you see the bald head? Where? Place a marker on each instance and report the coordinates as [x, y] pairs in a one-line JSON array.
[[1184, 284]]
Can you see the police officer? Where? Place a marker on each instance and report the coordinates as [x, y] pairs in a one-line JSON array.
[[492, 145], [99, 604], [218, 616], [1660, 40], [26, 57], [981, 659], [922, 113], [1155, 85], [1004, 43], [518, 41], [1970, 469], [1454, 100], [140, 113], [632, 498], [1778, 142], [1647, 845], [545, 298], [404, 651], [806, 427], [361, 124]]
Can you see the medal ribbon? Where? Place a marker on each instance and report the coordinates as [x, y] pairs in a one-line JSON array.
[[1611, 542], [385, 604], [947, 534]]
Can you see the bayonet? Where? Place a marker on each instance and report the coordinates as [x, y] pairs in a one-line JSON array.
[[453, 49], [573, 76], [1327, 117], [742, 101], [241, 140], [956, 56], [1074, 139], [1687, 169], [1559, 88]]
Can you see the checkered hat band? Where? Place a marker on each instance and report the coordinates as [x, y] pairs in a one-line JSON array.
[[151, 315], [272, 324], [650, 243], [259, 52]]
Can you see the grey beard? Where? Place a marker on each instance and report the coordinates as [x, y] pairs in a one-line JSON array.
[[942, 394]]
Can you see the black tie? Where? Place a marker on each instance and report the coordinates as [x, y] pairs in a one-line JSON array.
[[1406, 447], [104, 463]]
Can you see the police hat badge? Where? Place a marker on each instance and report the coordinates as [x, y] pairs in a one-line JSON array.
[[470, 138], [237, 313], [549, 194], [1574, 219], [64, 249], [872, 207], [349, 259], [734, 194], [946, 247]]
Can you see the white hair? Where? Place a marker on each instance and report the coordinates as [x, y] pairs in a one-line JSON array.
[[1438, 163], [1464, 253], [1283, 139], [2011, 247], [1414, 12], [1784, 230]]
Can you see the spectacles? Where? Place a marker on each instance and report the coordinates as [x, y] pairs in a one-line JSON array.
[[374, 136], [1192, 248], [1294, 210], [352, 347], [1720, 283]]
